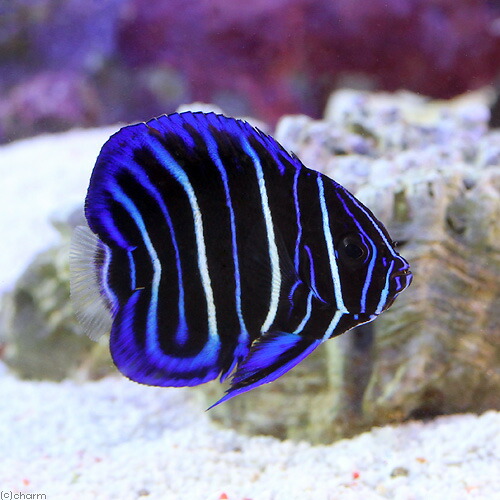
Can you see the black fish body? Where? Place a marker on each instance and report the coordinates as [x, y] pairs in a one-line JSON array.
[[212, 248]]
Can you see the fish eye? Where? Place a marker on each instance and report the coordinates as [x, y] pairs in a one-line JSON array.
[[353, 251]]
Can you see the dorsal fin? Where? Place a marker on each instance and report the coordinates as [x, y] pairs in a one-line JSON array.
[[85, 289]]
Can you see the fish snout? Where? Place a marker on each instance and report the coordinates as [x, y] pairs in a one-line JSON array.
[[401, 280]]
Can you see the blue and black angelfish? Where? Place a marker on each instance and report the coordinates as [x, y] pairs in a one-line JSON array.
[[212, 249]]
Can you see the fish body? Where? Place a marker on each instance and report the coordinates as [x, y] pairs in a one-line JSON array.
[[211, 249]]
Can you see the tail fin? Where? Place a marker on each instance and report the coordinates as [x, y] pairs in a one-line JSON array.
[[85, 289], [270, 357]]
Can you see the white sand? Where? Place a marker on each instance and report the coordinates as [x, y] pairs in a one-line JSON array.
[[116, 439]]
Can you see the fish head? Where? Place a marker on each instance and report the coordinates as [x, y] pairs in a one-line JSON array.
[[371, 272], [367, 271]]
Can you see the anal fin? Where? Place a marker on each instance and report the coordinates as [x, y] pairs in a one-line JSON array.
[[270, 357]]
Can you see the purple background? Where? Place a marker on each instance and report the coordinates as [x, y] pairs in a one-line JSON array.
[[65, 63]]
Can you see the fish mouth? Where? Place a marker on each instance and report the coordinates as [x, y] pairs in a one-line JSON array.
[[401, 280]]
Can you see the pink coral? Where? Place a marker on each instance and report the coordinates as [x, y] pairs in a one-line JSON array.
[[266, 58], [50, 101], [280, 56]]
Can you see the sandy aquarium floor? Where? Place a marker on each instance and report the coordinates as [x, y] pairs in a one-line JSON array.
[[114, 439]]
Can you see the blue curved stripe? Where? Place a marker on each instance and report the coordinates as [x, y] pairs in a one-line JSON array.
[[111, 230], [333, 324], [292, 291], [152, 324], [307, 315], [385, 290], [132, 272], [108, 291], [155, 356], [312, 274], [273, 249], [136, 170], [214, 155], [374, 223], [330, 247], [374, 253], [299, 223], [178, 173], [150, 367]]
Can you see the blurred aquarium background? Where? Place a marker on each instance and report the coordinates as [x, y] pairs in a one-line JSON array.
[[69, 63], [396, 99]]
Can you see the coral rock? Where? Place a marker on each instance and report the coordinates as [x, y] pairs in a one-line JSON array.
[[436, 186], [40, 335]]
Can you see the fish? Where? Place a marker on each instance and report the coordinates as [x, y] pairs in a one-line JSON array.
[[211, 252]]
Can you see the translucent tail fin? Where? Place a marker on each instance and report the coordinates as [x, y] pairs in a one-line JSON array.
[[85, 289]]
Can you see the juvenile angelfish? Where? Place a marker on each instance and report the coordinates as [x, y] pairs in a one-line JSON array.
[[211, 249]]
